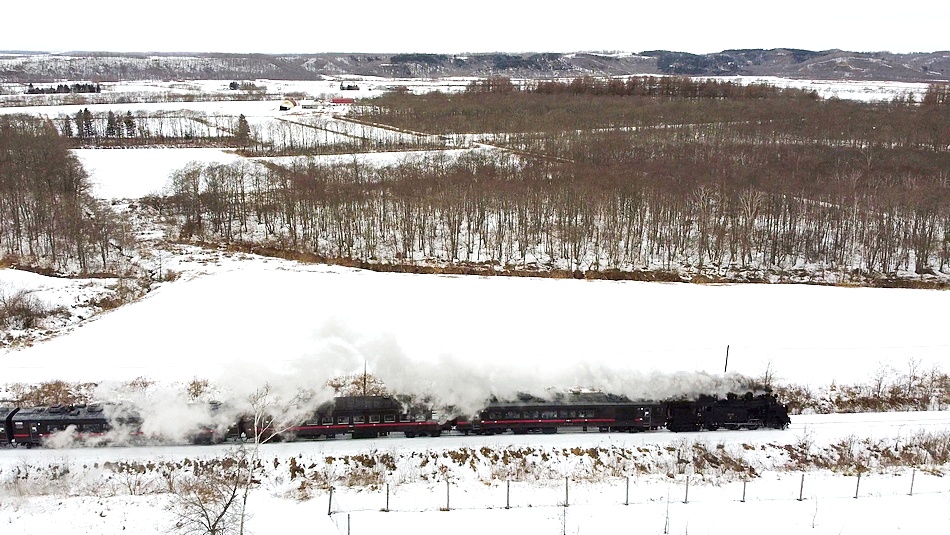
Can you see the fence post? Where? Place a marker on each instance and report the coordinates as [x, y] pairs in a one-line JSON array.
[[744, 482], [912, 474], [857, 487], [801, 488], [447, 486], [387, 498], [347, 523], [566, 494], [626, 500], [508, 494], [686, 498], [666, 523], [330, 503]]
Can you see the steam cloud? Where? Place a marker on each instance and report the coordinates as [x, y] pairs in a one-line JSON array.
[[452, 385]]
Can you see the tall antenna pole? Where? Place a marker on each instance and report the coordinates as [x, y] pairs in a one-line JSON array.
[[727, 359], [364, 378]]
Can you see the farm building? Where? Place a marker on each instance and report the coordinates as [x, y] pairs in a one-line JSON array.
[[288, 104]]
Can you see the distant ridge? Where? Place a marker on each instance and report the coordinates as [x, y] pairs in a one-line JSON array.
[[33, 67]]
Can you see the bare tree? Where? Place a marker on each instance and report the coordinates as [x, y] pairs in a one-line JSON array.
[[211, 500]]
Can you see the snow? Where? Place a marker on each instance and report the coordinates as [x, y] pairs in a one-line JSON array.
[[288, 316], [239, 319], [135, 173]]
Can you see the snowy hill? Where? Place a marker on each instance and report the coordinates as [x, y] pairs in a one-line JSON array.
[[791, 63]]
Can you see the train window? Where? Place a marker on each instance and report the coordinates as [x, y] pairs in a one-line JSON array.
[[389, 418], [512, 415], [18, 425], [585, 414], [343, 420], [494, 415], [359, 419], [374, 418], [404, 418], [548, 415], [326, 420], [532, 415]]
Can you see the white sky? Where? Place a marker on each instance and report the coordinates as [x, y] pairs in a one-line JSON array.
[[429, 26]]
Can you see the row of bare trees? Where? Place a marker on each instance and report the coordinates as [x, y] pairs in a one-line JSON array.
[[752, 112], [291, 135], [916, 387], [47, 216], [709, 209]]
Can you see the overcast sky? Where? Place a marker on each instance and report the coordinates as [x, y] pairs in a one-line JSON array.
[[243, 26]]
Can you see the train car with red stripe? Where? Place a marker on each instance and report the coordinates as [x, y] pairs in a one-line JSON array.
[[33, 426], [583, 411], [365, 417]]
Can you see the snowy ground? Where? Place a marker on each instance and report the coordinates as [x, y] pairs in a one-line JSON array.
[[238, 320]]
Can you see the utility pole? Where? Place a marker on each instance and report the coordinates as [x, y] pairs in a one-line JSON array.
[[726, 368]]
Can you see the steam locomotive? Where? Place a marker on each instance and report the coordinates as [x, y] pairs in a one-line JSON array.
[[374, 416]]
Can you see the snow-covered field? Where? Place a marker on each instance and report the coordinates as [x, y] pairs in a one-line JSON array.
[[239, 320]]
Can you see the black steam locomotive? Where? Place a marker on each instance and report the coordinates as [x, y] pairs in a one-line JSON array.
[[374, 416]]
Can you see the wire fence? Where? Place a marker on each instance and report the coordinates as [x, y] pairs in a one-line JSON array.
[[656, 499]]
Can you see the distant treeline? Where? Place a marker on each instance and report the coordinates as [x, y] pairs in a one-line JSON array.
[[645, 86], [63, 88]]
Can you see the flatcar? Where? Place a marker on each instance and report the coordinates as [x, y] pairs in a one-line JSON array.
[[528, 414]]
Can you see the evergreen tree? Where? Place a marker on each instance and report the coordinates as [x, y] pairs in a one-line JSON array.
[[112, 126], [243, 132], [67, 127], [129, 122], [80, 130], [88, 129]]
